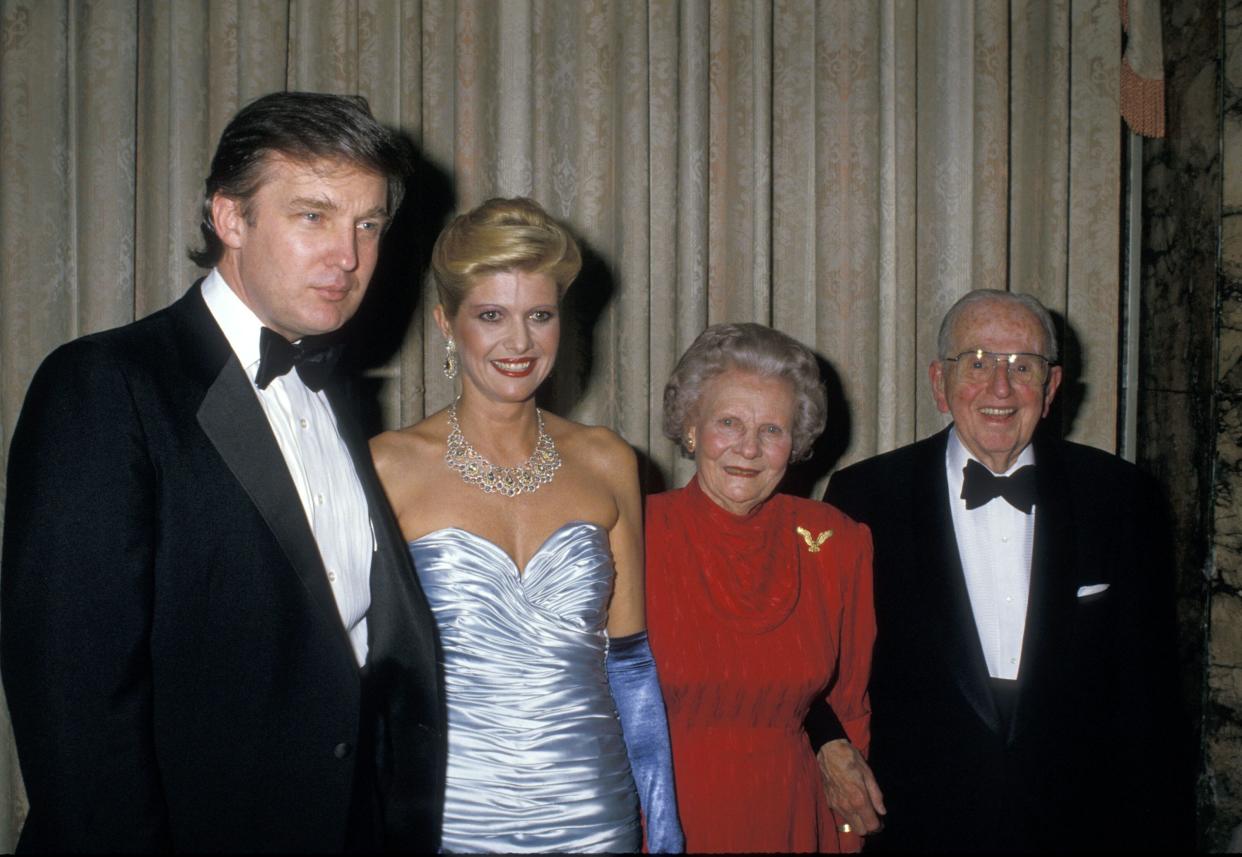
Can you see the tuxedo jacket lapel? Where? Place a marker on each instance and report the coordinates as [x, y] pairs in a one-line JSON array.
[[234, 422], [951, 600], [402, 682], [390, 573], [1051, 600], [360, 454]]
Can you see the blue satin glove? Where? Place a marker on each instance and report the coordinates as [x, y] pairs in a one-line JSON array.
[[636, 693]]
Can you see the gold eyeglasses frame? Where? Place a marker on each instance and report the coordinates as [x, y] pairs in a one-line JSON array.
[[1022, 367]]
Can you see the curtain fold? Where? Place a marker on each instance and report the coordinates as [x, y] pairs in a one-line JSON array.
[[843, 171]]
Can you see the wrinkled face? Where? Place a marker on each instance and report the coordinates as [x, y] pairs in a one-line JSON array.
[[507, 330], [303, 258], [995, 419], [741, 435]]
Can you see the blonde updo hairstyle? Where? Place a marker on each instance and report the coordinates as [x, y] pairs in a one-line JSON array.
[[502, 235]]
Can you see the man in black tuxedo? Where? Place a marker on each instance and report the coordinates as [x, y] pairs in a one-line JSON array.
[[212, 636], [1023, 688]]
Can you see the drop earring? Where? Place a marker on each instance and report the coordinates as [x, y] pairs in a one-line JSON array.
[[450, 359]]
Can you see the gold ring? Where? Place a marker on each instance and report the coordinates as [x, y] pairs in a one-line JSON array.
[[844, 828]]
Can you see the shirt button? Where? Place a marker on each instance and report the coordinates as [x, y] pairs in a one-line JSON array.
[[303, 423], [1008, 599], [331, 576], [318, 499], [1013, 660], [342, 750], [1005, 539]]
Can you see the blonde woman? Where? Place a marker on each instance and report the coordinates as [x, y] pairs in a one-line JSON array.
[[526, 532]]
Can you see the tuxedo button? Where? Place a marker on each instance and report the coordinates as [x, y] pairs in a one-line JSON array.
[[342, 750], [331, 576], [303, 423]]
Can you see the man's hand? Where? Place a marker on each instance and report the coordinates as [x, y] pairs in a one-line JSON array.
[[852, 791]]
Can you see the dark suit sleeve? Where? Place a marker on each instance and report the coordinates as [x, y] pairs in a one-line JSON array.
[[822, 724], [77, 591], [1155, 758], [846, 493]]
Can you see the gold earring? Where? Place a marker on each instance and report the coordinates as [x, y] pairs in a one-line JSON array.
[[450, 359], [690, 444]]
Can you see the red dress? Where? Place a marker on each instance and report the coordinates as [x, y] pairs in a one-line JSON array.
[[750, 618]]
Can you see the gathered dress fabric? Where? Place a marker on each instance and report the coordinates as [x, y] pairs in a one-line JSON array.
[[751, 618], [536, 757]]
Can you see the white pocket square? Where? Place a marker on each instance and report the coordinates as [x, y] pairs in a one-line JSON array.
[[1093, 589]]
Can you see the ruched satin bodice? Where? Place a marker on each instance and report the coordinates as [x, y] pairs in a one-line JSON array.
[[536, 758]]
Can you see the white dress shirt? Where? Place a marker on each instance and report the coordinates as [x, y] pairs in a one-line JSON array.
[[318, 462], [994, 542]]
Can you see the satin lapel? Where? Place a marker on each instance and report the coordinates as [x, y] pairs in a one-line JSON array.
[[343, 409], [233, 420], [207, 349], [360, 453], [1051, 601], [951, 600], [402, 688], [391, 618]]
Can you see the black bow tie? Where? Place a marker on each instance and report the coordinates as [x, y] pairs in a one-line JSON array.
[[981, 486], [314, 359]]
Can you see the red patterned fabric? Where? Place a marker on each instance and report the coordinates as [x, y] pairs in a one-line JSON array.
[[749, 624]]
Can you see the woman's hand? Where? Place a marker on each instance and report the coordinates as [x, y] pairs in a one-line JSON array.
[[852, 791]]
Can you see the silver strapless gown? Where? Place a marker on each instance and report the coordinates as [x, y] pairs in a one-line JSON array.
[[536, 759]]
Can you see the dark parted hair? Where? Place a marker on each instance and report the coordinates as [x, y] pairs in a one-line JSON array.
[[302, 126]]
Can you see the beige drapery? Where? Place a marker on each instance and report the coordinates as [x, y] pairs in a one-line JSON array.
[[841, 170]]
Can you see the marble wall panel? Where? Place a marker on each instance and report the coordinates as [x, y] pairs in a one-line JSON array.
[[1181, 204], [1181, 198], [1180, 412], [1221, 785], [1223, 723], [1227, 492], [1171, 444], [1223, 754]]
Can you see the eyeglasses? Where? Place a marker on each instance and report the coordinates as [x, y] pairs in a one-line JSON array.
[[976, 367]]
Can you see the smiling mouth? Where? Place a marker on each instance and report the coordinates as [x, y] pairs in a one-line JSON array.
[[741, 471], [515, 368], [998, 412]]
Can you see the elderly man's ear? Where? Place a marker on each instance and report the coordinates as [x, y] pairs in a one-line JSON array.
[[1050, 388], [935, 373]]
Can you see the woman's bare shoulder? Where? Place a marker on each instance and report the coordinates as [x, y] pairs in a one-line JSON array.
[[591, 445], [400, 448]]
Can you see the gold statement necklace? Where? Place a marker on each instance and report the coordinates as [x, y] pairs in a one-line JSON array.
[[510, 481]]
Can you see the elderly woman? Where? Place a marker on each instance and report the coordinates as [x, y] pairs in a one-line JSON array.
[[526, 533], [758, 603]]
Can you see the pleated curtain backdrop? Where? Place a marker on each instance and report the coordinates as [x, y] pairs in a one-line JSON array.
[[842, 171]]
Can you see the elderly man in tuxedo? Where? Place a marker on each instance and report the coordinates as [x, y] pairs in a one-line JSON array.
[[212, 636], [1023, 683]]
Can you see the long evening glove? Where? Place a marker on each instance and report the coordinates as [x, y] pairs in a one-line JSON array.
[[636, 693]]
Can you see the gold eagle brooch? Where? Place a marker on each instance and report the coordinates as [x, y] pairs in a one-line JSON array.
[[813, 543]]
